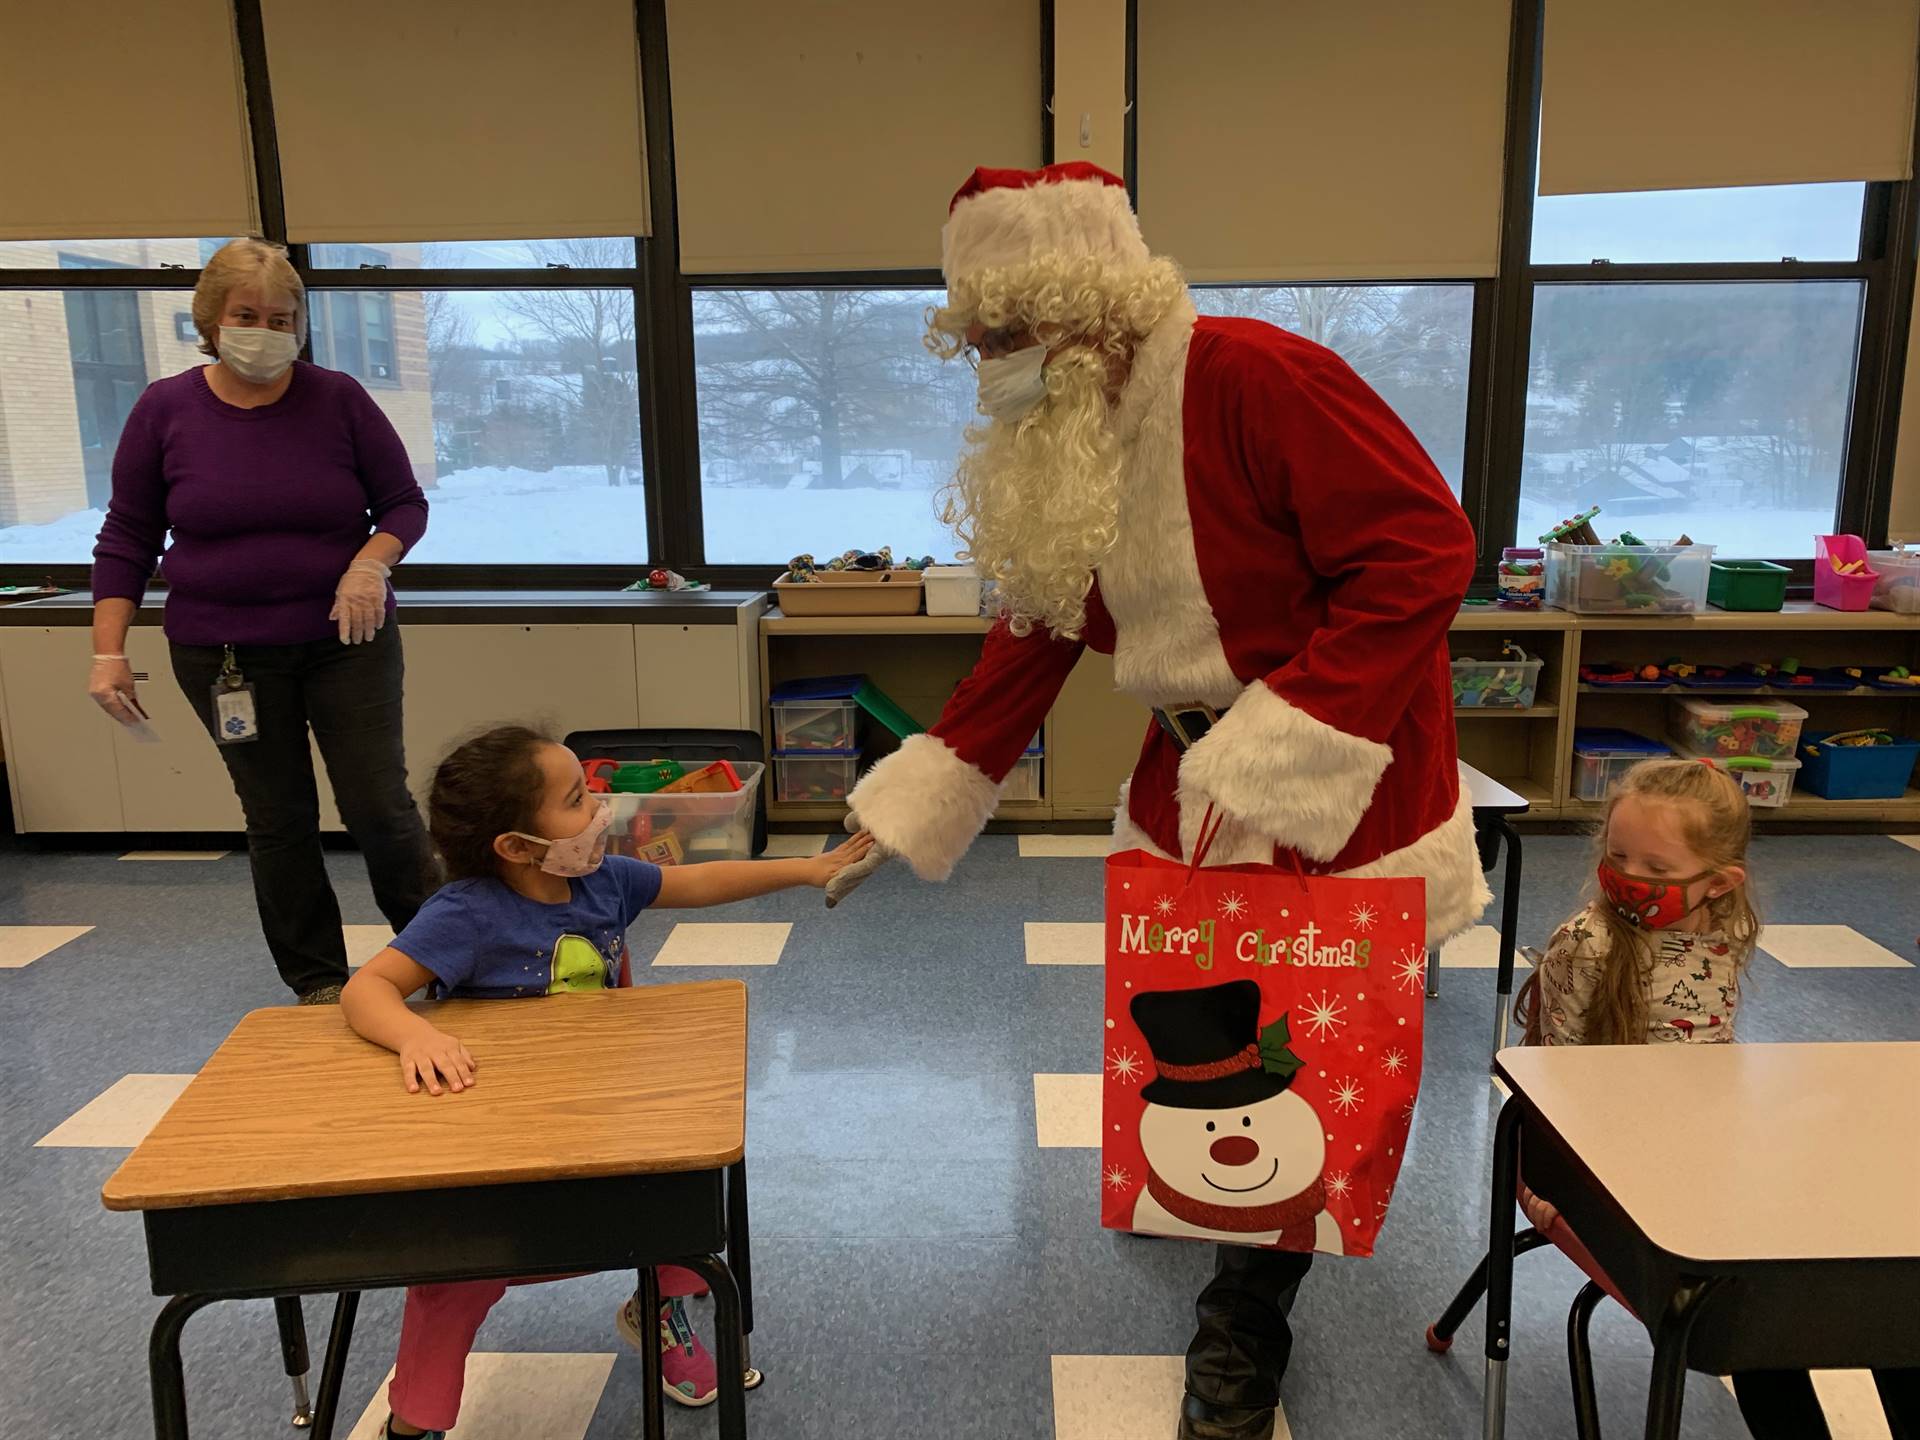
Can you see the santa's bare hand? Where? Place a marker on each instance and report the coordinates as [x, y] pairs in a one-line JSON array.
[[847, 878]]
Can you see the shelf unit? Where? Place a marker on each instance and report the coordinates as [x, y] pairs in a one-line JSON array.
[[1093, 734]]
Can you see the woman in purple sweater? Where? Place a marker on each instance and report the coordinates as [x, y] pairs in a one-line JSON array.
[[290, 498]]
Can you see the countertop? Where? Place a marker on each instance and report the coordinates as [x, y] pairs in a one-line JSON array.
[[475, 607]]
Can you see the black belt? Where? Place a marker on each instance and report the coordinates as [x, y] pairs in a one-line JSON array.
[[1188, 725]]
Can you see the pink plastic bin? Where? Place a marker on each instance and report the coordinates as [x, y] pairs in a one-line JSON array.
[[1834, 590]]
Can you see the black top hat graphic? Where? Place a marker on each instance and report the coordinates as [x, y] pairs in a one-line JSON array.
[[1207, 1047]]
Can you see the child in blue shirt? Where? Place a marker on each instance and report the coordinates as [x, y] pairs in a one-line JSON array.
[[532, 906]]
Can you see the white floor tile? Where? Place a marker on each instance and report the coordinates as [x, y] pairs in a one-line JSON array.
[[176, 855], [793, 847], [1077, 943], [119, 1117], [1066, 1111], [1478, 949], [723, 943], [1828, 947], [23, 944], [1065, 847], [515, 1397], [1850, 1401], [1123, 1397], [1912, 842], [364, 942]]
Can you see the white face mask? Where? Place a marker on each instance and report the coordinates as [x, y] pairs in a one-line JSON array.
[[1012, 385], [252, 353], [576, 855]]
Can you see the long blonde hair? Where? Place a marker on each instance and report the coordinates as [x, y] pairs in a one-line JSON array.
[[1717, 825]]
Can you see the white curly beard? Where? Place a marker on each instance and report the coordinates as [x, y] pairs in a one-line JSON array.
[[1036, 503]]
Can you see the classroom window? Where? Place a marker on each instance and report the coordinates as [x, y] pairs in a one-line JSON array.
[[354, 333], [1717, 409], [1411, 343], [187, 254], [825, 424], [603, 252], [1698, 227]]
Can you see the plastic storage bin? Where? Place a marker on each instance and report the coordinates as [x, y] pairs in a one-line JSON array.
[[1496, 684], [1857, 772], [1628, 579], [1898, 587], [1600, 757], [1767, 782], [821, 722], [668, 829], [1023, 781], [851, 592], [1830, 587], [1769, 729], [953, 590], [1747, 585], [814, 777]]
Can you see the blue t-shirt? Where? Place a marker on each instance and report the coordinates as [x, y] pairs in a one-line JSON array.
[[484, 940]]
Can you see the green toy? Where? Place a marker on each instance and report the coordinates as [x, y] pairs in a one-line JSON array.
[[645, 776]]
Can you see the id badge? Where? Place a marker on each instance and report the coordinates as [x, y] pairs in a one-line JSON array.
[[235, 722]]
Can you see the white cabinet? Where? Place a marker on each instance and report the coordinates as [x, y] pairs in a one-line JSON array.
[[61, 763]]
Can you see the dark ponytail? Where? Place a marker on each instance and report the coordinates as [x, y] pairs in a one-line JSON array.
[[486, 787]]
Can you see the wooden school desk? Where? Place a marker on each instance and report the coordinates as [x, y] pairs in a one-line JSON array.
[[1783, 1235], [607, 1131]]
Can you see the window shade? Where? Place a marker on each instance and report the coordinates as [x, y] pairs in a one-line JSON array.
[[812, 137], [124, 126], [457, 119], [1320, 139], [1652, 95]]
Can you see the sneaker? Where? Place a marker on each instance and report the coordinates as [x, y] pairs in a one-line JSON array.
[[325, 995], [387, 1432], [687, 1371]]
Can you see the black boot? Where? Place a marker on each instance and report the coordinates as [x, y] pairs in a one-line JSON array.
[[1240, 1352]]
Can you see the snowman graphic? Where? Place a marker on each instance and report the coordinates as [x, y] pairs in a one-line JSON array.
[[1232, 1153]]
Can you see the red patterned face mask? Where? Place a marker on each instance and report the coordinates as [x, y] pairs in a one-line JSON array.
[[1650, 903]]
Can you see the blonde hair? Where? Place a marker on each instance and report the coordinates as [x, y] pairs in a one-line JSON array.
[[1036, 504], [243, 262], [1717, 824]]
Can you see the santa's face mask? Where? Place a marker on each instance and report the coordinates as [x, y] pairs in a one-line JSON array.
[[1647, 901], [1012, 385]]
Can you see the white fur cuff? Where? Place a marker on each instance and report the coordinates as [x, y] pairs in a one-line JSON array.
[[1283, 774], [925, 804]]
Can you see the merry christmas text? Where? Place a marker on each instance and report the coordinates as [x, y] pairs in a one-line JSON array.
[[1310, 946]]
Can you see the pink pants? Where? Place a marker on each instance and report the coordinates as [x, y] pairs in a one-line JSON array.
[[436, 1336]]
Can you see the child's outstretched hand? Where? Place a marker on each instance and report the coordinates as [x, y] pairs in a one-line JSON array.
[[432, 1057], [829, 863]]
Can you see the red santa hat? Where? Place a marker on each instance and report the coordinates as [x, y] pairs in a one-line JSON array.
[[1005, 218]]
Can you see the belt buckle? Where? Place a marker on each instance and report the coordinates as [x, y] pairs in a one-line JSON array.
[[1188, 724]]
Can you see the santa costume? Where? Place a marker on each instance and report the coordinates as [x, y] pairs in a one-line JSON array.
[[1284, 564]]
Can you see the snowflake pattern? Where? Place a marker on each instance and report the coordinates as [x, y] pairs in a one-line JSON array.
[[1124, 1066], [1348, 1095], [1411, 972], [1339, 1185], [1233, 905], [1323, 1016], [1380, 1205], [1165, 906], [1361, 917], [1117, 1178], [1394, 1061], [1406, 1110]]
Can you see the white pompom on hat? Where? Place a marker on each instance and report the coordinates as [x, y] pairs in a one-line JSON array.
[[1001, 219]]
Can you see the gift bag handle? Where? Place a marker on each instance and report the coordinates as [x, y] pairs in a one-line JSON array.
[[1210, 827]]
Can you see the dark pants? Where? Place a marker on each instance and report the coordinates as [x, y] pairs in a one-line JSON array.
[[1781, 1404], [1241, 1350], [350, 696]]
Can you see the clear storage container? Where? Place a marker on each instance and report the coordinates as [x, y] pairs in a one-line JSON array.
[[814, 777], [671, 829], [1023, 781], [1767, 782], [1769, 729], [1898, 588], [1628, 579], [1496, 684], [1601, 757], [814, 724], [952, 590]]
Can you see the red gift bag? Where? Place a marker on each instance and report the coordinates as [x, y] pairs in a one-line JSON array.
[[1262, 1051]]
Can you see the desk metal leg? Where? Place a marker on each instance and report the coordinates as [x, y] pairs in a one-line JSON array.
[[740, 1261], [333, 1369], [164, 1368], [1509, 933], [293, 1350], [728, 1338], [1500, 1226], [653, 1419], [1433, 972], [1586, 1402], [1668, 1389]]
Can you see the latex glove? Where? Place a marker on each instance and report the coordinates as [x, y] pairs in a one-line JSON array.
[[846, 880], [360, 601], [112, 687]]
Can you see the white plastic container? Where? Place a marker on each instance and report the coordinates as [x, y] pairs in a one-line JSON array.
[[700, 826], [1629, 579], [1768, 729], [814, 725], [1023, 781], [1767, 784], [1898, 588], [814, 777], [953, 590]]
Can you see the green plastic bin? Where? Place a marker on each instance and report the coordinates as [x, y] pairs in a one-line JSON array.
[[1747, 585]]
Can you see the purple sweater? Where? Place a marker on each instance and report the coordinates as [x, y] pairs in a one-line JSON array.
[[267, 506]]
